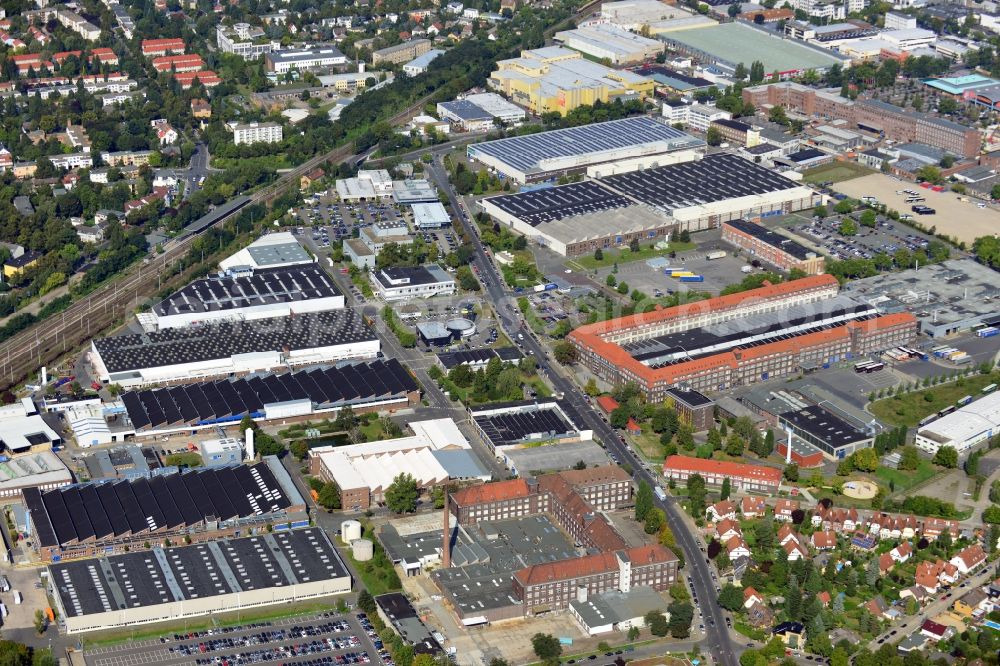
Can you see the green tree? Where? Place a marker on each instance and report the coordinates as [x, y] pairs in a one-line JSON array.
[[847, 227], [725, 490], [713, 136], [401, 496], [598, 254], [329, 496], [909, 458], [643, 501], [41, 622], [564, 353], [869, 218], [731, 598], [991, 515], [657, 623], [633, 634], [820, 211], [792, 472], [696, 494], [681, 616], [946, 456], [366, 602], [655, 519], [865, 460], [546, 647]]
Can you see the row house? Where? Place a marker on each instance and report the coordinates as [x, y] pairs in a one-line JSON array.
[[836, 519], [930, 575], [969, 559], [161, 47], [885, 526]]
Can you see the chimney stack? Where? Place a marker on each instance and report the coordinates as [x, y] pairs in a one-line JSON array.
[[446, 535]]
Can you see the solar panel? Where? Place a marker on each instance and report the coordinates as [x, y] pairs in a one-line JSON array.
[[182, 498], [171, 514], [215, 399], [78, 514], [133, 514], [199, 496], [231, 397], [200, 401], [260, 388], [183, 401], [113, 508], [224, 509], [226, 480], [96, 514], [59, 516]]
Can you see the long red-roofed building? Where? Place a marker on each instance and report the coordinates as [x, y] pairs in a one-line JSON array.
[[601, 346], [748, 478], [206, 77], [191, 62], [162, 47]]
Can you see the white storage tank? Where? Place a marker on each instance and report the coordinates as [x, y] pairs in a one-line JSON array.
[[350, 530], [363, 549]]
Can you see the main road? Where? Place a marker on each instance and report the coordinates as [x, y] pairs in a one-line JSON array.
[[717, 640]]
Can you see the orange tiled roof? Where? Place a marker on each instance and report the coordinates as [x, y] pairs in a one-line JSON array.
[[491, 492], [723, 467], [590, 565]]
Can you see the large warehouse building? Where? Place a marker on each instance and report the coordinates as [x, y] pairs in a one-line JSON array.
[[738, 339], [169, 584], [249, 294], [376, 385], [435, 454], [117, 516], [528, 423], [604, 41], [547, 155], [649, 205], [964, 428], [232, 348], [556, 79]]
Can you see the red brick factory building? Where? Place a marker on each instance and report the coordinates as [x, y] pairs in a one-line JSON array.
[[738, 339]]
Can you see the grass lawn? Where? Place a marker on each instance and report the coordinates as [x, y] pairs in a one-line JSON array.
[[625, 256], [905, 479], [836, 172], [373, 431], [909, 408], [374, 577], [749, 632], [649, 444], [841, 500], [360, 280]]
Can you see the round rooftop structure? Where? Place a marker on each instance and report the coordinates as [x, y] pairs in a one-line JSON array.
[[350, 530], [461, 327]]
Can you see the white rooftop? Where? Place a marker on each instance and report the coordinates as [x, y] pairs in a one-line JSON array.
[[34, 469], [966, 422], [269, 251]]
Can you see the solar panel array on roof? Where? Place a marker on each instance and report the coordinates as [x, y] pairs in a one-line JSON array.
[[520, 425], [193, 344], [124, 508], [264, 287], [828, 428], [747, 333], [164, 575], [476, 356], [526, 152], [191, 404], [555, 203], [714, 178]]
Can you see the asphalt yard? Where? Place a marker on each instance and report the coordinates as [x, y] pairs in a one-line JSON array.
[[309, 639]]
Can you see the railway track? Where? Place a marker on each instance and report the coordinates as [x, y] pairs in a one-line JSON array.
[[47, 340]]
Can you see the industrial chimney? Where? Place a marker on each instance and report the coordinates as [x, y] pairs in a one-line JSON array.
[[446, 534]]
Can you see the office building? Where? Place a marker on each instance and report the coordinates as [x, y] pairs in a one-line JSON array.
[[824, 431], [430, 216], [420, 64], [247, 41], [557, 79], [305, 60], [694, 116], [256, 133], [395, 283], [479, 112], [771, 247]]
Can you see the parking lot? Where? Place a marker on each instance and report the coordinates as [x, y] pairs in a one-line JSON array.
[[325, 638], [654, 282], [964, 220], [887, 237]]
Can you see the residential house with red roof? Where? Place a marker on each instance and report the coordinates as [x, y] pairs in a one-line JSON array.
[[795, 551], [723, 510], [824, 540], [969, 559], [823, 598], [736, 548], [836, 519], [902, 552], [752, 506], [751, 596], [885, 563], [784, 508], [726, 529]]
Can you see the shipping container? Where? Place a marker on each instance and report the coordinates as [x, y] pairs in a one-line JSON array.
[[676, 273], [692, 278]]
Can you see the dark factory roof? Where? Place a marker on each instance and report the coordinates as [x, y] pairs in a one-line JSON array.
[[772, 238], [190, 404], [194, 344], [165, 575], [263, 287], [105, 510], [521, 424], [555, 203], [824, 426], [714, 178]]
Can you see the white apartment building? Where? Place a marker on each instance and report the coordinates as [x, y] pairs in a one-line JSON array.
[[78, 24], [245, 40], [396, 283], [900, 21], [256, 133], [694, 116], [72, 160]]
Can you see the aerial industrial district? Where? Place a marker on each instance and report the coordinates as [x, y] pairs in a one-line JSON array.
[[547, 332]]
